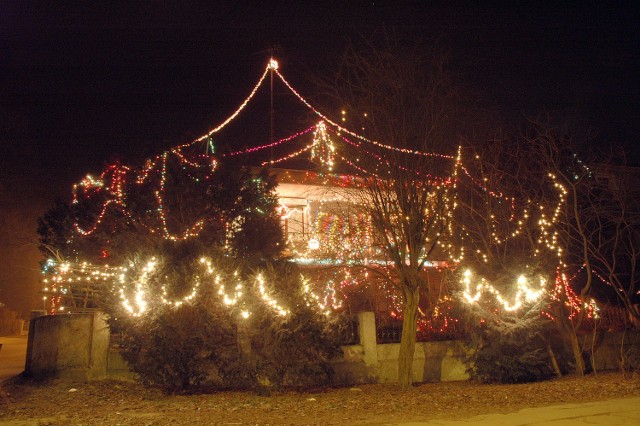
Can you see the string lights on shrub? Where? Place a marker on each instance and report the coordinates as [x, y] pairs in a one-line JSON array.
[[524, 292], [344, 239], [136, 294]]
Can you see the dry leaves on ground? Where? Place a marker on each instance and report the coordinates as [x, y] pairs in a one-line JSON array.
[[109, 402]]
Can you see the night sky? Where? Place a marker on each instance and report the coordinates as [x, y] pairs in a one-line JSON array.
[[82, 83]]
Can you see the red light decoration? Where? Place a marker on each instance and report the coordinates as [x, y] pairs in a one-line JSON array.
[[111, 187]]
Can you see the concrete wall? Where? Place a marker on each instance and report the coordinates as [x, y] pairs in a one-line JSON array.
[[10, 324], [77, 346], [117, 367], [72, 346], [610, 348], [442, 361], [370, 362]]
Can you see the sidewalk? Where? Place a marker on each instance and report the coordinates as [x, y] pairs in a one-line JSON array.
[[13, 355], [612, 412]]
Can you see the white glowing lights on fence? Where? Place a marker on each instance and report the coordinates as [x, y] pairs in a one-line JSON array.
[[314, 244], [524, 292]]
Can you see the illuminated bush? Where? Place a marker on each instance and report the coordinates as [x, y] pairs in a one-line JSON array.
[[258, 330], [295, 349]]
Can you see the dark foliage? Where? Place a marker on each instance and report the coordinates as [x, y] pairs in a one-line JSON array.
[[230, 207], [174, 347], [55, 229], [511, 361], [293, 351], [631, 359], [509, 351]]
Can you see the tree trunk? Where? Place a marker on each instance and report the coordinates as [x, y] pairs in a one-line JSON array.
[[552, 355], [568, 328], [411, 297], [577, 353], [554, 361]]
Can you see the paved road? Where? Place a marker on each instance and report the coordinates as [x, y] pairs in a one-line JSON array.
[[12, 356], [613, 412]]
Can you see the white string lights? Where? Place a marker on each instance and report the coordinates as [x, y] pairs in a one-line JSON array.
[[524, 292], [323, 149], [273, 65], [136, 294], [113, 183]]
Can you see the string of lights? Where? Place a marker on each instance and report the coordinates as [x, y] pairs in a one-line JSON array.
[[345, 238], [349, 132], [136, 295], [272, 66], [389, 164], [269, 145], [288, 156]]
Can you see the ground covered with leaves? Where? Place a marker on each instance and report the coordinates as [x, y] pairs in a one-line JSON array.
[[57, 402]]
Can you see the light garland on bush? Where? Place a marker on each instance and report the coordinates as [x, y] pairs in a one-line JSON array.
[[524, 293], [134, 293], [112, 186]]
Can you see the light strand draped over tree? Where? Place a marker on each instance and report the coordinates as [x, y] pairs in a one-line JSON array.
[[402, 97]]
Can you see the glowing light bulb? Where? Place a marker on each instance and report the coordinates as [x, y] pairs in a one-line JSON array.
[[314, 244]]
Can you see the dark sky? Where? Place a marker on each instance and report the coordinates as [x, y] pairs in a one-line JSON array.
[[85, 82]]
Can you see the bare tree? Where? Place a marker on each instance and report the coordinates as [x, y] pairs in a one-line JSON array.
[[502, 224], [402, 99], [556, 153], [593, 227], [530, 211], [612, 217]]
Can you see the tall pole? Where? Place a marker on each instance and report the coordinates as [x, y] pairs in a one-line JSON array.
[[271, 116]]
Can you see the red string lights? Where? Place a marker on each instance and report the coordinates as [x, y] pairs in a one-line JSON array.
[[112, 185]]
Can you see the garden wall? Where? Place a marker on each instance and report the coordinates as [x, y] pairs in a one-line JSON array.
[[72, 346], [77, 346], [369, 361], [610, 348]]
